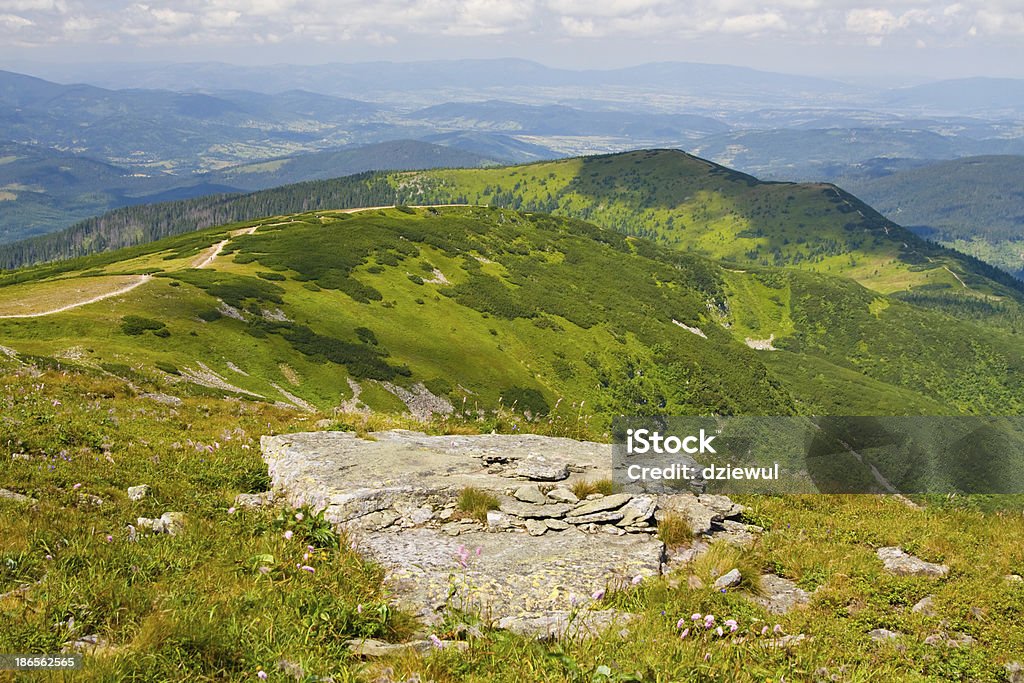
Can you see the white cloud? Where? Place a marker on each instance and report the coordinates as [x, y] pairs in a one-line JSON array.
[[934, 23]]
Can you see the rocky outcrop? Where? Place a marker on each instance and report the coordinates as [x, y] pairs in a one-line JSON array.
[[898, 561], [541, 557]]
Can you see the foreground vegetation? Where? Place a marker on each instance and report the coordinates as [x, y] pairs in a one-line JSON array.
[[233, 593]]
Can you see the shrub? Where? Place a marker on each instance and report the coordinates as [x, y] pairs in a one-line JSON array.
[[584, 488], [169, 368], [526, 400], [136, 325], [271, 276], [675, 530]]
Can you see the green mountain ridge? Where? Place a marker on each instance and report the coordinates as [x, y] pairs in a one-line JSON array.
[[489, 306]]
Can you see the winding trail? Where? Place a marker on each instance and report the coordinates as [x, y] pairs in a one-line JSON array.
[[143, 279], [214, 251]]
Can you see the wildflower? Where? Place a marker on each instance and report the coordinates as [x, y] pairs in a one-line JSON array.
[[637, 579], [598, 594], [697, 616], [231, 510], [49, 557], [709, 621], [288, 535], [310, 548], [764, 630], [719, 632], [109, 538], [305, 557], [261, 674], [359, 608], [307, 568], [732, 624], [76, 487], [777, 628], [264, 570], [685, 633], [681, 622], [299, 516], [436, 642], [479, 549], [707, 656]]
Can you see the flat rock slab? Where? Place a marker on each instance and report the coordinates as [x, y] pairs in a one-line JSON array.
[[508, 574], [780, 595], [898, 561], [375, 489]]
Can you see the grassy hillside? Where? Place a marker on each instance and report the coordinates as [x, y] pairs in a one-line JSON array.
[[975, 205], [489, 306], [669, 196]]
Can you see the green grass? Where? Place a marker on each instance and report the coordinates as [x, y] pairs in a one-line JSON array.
[[198, 606], [476, 503]]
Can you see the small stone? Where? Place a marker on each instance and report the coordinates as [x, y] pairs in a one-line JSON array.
[[421, 515], [375, 521], [452, 528], [530, 494], [729, 579], [556, 524], [291, 669], [721, 505], [17, 497], [539, 468], [536, 527], [780, 595], [882, 634], [594, 496], [253, 501], [899, 562], [638, 510], [370, 648], [137, 493], [612, 502], [563, 495], [20, 456], [173, 522], [498, 520], [596, 517], [925, 606], [1014, 672], [531, 511], [446, 514], [613, 530], [1014, 578], [90, 500]]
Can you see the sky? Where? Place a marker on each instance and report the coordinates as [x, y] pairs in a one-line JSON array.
[[842, 38]]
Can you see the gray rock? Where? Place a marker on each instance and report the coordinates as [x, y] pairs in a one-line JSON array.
[[1014, 672], [530, 494], [780, 595], [563, 495], [564, 624], [899, 562], [536, 527], [498, 520], [721, 505], [941, 639], [375, 521], [1014, 578], [556, 524], [596, 517], [252, 501], [420, 515], [728, 580], [539, 468], [883, 634], [89, 500], [372, 649], [139, 492], [925, 606], [17, 497], [702, 518], [530, 511], [90, 644], [170, 523], [638, 510], [612, 502]]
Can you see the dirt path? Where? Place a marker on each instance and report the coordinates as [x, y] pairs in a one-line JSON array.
[[117, 292], [213, 252], [956, 276]]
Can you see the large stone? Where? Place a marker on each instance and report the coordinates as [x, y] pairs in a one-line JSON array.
[[170, 523], [530, 494], [779, 595], [702, 519], [722, 505], [370, 648], [253, 501], [139, 492], [639, 509], [539, 468], [730, 579], [563, 495], [530, 511], [535, 527], [883, 634], [498, 520], [17, 497], [898, 561], [1014, 672], [925, 606], [612, 502]]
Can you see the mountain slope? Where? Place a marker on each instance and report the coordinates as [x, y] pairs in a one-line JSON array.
[[974, 204], [482, 306]]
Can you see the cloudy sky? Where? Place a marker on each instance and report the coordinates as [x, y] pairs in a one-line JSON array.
[[831, 37]]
